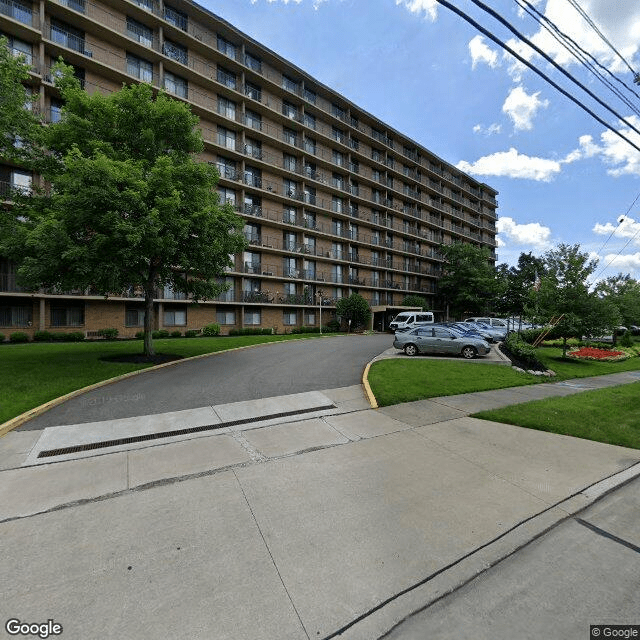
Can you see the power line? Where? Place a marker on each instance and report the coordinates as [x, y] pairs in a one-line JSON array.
[[544, 76], [580, 54], [551, 61], [593, 25]]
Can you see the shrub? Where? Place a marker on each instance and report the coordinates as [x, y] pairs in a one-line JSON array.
[[626, 340], [42, 336], [74, 336], [333, 325], [19, 336], [1, 337], [190, 333], [162, 333], [109, 334], [522, 352], [250, 331], [211, 330], [176, 334], [140, 335]]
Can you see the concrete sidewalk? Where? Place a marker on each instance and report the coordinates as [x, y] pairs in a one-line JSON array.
[[293, 517]]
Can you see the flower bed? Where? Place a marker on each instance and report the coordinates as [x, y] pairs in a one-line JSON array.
[[591, 353]]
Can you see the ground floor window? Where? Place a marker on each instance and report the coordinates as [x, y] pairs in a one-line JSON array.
[[67, 315], [15, 316], [309, 319], [134, 317], [175, 317], [226, 317], [252, 317], [289, 318]]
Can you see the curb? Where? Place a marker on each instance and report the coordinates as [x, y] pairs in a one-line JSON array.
[[19, 420], [367, 388]]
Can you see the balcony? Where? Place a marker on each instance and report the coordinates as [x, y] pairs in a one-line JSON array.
[[18, 11]]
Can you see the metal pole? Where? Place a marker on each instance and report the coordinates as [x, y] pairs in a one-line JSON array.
[[320, 296]]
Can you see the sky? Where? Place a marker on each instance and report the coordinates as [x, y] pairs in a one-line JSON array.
[[562, 176]]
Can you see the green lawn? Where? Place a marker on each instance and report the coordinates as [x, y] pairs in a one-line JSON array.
[[404, 380], [605, 415], [32, 374]]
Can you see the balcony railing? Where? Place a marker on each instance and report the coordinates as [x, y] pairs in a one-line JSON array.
[[18, 11]]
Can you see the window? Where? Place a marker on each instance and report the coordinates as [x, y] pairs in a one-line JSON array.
[[339, 134], [175, 317], [227, 195], [252, 261], [226, 317], [338, 181], [253, 62], [67, 36], [19, 180], [176, 18], [147, 5], [227, 108], [309, 194], [140, 32], [337, 204], [310, 245], [20, 11], [253, 176], [338, 111], [309, 121], [336, 227], [289, 162], [289, 318], [309, 220], [336, 273], [289, 84], [67, 316], [169, 293], [310, 145], [253, 91], [176, 85], [252, 317], [226, 77], [310, 95], [176, 52], [290, 136], [139, 68], [253, 148], [338, 158], [289, 241], [133, 316], [226, 48], [15, 316], [227, 168], [56, 110], [309, 270], [76, 5], [226, 138], [289, 110], [289, 268], [252, 232], [253, 120], [309, 318], [252, 205], [20, 48], [377, 155], [289, 187], [311, 170], [289, 215]]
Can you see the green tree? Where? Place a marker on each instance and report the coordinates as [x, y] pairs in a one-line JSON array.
[[564, 293], [468, 282], [624, 292], [130, 205], [19, 127], [517, 282], [355, 309], [415, 301]]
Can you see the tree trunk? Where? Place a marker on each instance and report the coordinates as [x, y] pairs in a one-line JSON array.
[[564, 347], [148, 349]]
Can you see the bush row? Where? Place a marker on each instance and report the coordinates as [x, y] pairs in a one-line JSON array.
[[522, 352]]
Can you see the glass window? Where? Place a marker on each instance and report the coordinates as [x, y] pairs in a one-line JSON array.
[[338, 134], [176, 85], [225, 317], [139, 68], [289, 318], [289, 162], [175, 317], [338, 111], [309, 121], [227, 108], [67, 316], [289, 136], [289, 84], [337, 204], [227, 168], [289, 187], [253, 120], [289, 215], [133, 316], [176, 17], [226, 77], [289, 110], [310, 95], [253, 91], [253, 148], [176, 52], [15, 315], [338, 158], [21, 48], [56, 110], [310, 145], [253, 62], [226, 138], [253, 176], [252, 317], [140, 32], [227, 48], [67, 36], [20, 11], [227, 195]]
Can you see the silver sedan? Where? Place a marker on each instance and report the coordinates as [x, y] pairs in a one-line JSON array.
[[440, 340]]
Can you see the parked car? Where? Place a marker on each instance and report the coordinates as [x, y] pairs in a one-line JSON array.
[[440, 340], [635, 330], [410, 320], [490, 334], [492, 322], [468, 329]]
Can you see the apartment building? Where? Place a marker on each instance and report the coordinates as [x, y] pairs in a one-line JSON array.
[[334, 200]]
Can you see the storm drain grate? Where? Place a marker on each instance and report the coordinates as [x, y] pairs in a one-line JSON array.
[[50, 453]]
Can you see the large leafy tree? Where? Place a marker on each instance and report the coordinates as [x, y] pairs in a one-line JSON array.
[[129, 204], [414, 300], [517, 283], [624, 292], [564, 292], [19, 130], [354, 310], [468, 282]]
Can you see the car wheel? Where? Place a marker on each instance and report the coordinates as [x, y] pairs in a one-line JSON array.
[[469, 352], [411, 349]]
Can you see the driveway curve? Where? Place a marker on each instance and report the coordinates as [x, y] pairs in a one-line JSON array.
[[263, 371]]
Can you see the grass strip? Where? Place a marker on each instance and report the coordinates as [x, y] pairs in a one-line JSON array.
[[609, 415], [32, 374]]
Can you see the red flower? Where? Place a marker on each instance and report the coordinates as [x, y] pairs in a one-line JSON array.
[[598, 354]]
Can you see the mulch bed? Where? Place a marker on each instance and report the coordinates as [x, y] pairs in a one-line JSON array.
[[140, 358]]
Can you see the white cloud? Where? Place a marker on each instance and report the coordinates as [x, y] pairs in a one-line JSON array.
[[532, 234], [522, 107], [626, 228], [513, 164], [316, 3], [426, 7], [480, 52], [487, 131], [628, 262], [613, 150]]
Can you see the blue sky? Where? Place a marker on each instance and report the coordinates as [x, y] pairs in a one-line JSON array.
[[562, 176]]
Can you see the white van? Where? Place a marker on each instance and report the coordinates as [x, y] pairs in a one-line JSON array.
[[411, 319]]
